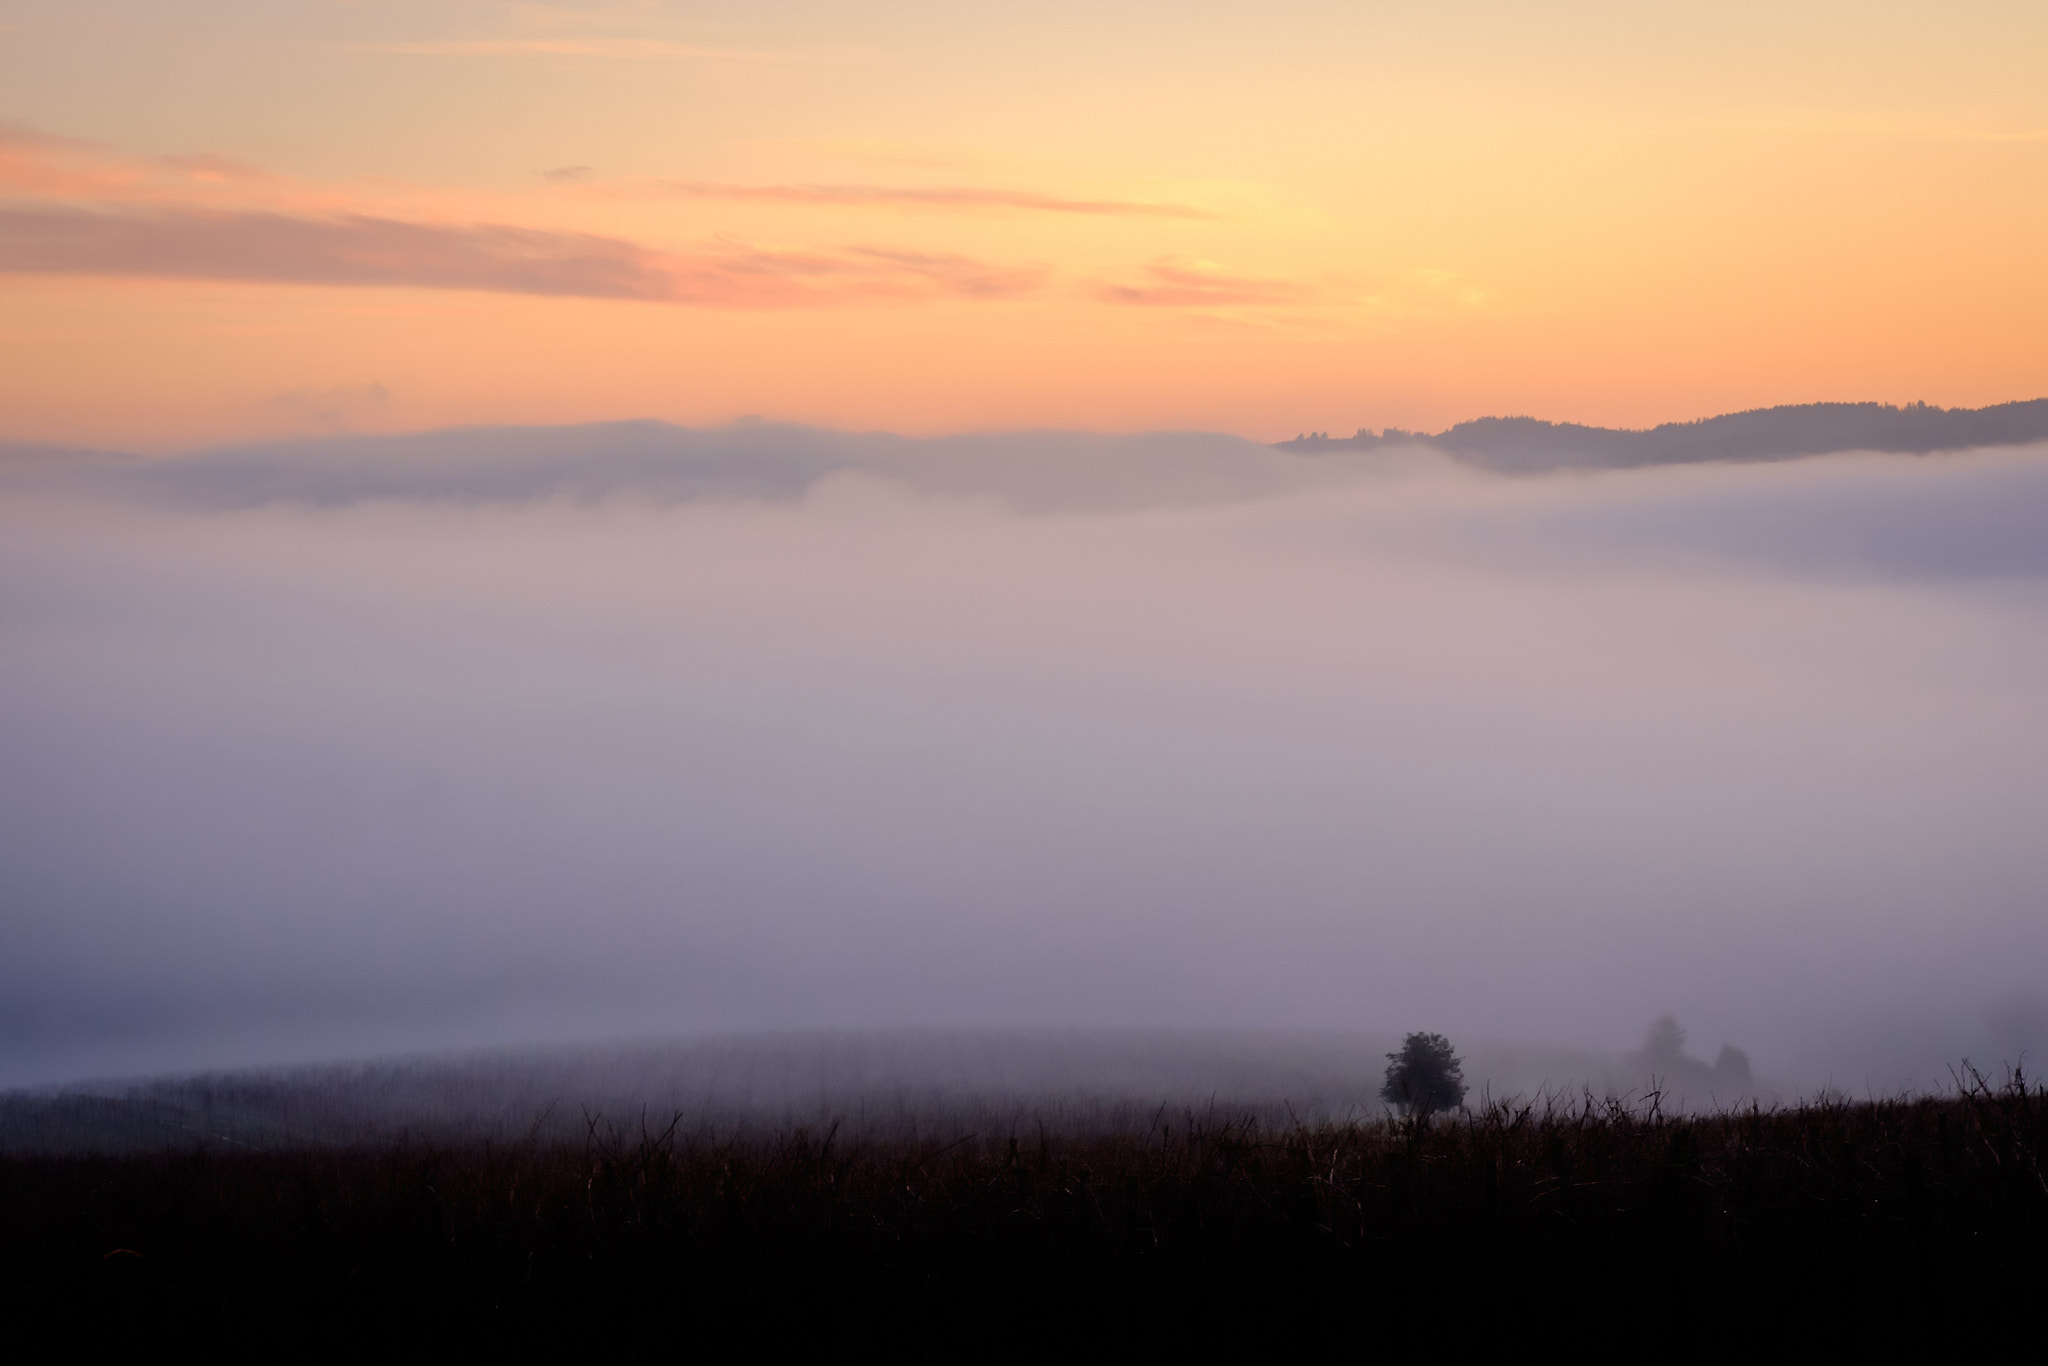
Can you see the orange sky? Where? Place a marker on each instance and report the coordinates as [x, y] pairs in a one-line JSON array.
[[228, 220]]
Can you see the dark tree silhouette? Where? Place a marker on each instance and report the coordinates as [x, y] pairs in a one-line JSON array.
[[1424, 1077]]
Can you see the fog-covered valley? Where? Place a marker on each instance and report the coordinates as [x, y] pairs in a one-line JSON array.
[[506, 738]]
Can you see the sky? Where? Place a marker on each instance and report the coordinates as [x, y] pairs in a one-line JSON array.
[[225, 220], [501, 738]]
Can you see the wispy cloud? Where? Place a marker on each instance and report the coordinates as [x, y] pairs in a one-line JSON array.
[[959, 275], [35, 164], [347, 249], [616, 49], [1212, 295], [1201, 284], [75, 208], [923, 197], [361, 250], [212, 167]]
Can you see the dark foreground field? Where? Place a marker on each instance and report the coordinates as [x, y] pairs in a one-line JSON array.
[[1870, 1229]]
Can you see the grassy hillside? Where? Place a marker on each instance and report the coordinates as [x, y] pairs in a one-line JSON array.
[[1864, 1227]]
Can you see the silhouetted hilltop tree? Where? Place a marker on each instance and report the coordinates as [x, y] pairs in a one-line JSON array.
[[1424, 1077], [1527, 444]]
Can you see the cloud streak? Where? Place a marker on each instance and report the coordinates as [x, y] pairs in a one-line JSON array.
[[1177, 284], [348, 249], [365, 250], [69, 207], [614, 49], [73, 208], [925, 197]]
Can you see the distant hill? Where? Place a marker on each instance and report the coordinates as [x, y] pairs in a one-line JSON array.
[[1525, 444], [745, 461], [1032, 472]]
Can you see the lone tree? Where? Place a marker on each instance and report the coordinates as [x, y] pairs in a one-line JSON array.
[[1424, 1077]]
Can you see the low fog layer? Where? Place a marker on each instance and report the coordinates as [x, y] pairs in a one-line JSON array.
[[936, 1083], [496, 737]]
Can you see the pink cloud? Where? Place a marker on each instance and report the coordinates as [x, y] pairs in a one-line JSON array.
[[74, 208], [209, 167], [960, 275], [363, 250], [1174, 285], [351, 249], [937, 196]]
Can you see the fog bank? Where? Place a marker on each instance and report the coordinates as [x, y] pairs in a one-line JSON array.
[[516, 736]]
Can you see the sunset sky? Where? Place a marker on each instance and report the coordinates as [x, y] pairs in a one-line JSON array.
[[225, 219]]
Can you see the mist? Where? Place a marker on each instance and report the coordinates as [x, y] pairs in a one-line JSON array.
[[535, 736]]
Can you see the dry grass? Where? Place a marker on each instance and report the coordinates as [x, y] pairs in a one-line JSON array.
[[1866, 1227]]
